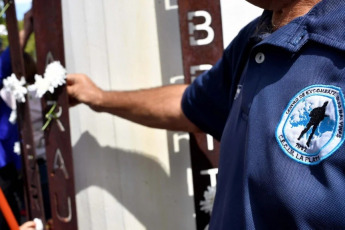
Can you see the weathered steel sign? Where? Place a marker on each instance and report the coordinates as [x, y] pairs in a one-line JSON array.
[[202, 46], [50, 47], [34, 203]]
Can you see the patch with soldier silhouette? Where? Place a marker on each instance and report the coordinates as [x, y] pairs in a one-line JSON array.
[[312, 125]]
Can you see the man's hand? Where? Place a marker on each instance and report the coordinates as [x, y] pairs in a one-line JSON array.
[[81, 89]]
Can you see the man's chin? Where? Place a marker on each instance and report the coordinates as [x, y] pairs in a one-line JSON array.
[[274, 5]]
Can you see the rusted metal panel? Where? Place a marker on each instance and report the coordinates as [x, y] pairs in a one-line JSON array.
[[50, 47], [202, 46], [33, 192]]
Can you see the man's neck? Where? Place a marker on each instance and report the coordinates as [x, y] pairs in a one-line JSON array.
[[291, 11]]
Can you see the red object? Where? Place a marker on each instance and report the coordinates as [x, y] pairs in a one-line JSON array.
[[7, 212]]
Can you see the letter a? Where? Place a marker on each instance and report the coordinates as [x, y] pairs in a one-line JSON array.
[[59, 163]]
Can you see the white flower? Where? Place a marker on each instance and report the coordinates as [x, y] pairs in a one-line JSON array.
[[13, 117], [41, 86], [39, 224], [8, 98], [209, 195], [16, 87], [54, 76], [16, 148], [3, 30]]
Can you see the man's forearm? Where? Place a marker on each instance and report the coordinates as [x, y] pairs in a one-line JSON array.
[[156, 107]]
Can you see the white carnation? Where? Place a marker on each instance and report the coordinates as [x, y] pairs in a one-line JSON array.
[[3, 30], [39, 224], [54, 76], [13, 117], [15, 87], [41, 86], [209, 195]]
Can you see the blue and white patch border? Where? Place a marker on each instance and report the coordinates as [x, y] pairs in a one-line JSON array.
[[337, 138]]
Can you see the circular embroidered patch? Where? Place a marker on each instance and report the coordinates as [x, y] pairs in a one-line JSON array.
[[312, 125]]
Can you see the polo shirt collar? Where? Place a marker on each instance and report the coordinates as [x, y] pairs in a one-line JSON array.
[[324, 23]]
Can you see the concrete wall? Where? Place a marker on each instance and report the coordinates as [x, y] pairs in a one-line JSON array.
[[129, 176]]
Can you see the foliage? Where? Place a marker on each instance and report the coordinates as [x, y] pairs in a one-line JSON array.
[[3, 38], [30, 46]]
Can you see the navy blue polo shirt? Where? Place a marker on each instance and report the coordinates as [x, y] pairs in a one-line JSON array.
[[276, 103]]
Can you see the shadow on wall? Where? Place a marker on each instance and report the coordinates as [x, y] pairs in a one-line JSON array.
[[134, 180], [158, 199]]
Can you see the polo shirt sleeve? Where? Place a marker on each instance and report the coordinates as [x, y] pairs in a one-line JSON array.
[[207, 101]]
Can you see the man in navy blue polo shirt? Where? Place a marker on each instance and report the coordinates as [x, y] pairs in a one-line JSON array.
[[275, 101]]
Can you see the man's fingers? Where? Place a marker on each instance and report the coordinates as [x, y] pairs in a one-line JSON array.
[[72, 100], [73, 88], [70, 90], [81, 89], [70, 79]]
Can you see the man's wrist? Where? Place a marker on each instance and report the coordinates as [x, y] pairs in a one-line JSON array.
[[99, 100]]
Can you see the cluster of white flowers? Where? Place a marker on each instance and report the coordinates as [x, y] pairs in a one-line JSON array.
[[209, 195], [54, 76], [15, 90], [16, 87]]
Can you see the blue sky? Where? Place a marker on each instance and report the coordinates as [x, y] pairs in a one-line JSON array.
[[22, 6]]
